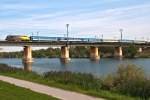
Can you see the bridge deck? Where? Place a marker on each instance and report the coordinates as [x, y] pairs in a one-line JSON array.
[[74, 43]]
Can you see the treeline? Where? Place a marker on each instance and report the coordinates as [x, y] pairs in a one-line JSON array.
[[77, 52]]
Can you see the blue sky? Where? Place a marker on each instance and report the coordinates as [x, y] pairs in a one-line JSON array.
[[87, 18]]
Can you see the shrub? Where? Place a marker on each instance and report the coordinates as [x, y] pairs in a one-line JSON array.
[[85, 81], [6, 68], [130, 52], [129, 80]]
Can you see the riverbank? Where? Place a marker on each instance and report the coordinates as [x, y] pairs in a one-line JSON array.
[[12, 92], [55, 92], [83, 83]]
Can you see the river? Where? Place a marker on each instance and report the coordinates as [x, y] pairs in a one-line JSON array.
[[101, 68]]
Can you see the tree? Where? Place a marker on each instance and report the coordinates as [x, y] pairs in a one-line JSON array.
[[131, 51]]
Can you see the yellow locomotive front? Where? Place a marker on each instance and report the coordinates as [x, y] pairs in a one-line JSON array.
[[17, 38], [24, 38]]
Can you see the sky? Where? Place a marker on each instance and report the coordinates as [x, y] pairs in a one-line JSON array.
[[86, 18]]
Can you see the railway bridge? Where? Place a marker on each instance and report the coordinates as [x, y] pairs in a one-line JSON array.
[[94, 52]]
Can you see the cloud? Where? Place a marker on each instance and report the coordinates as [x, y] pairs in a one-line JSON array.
[[88, 21]]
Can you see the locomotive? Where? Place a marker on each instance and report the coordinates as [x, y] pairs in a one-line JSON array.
[[17, 38]]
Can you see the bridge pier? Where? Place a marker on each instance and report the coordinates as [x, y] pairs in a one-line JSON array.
[[118, 52], [140, 49], [94, 54], [65, 54], [27, 58]]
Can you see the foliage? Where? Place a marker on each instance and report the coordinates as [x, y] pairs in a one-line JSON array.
[[11, 54], [85, 81], [129, 80], [106, 52], [46, 53], [79, 52], [130, 51], [6, 68]]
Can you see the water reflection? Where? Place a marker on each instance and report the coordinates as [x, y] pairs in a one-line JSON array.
[[65, 61], [118, 58], [95, 61], [27, 66]]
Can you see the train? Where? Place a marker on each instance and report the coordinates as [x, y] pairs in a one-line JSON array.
[[19, 38]]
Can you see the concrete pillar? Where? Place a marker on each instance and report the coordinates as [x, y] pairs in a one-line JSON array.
[[27, 54], [94, 54], [118, 52], [140, 50], [27, 58], [65, 53]]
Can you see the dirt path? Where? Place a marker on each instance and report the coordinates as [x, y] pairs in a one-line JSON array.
[[55, 92]]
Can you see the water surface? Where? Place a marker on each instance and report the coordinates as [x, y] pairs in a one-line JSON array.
[[101, 68]]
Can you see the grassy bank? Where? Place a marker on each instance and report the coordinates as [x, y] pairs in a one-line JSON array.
[[12, 92], [117, 87]]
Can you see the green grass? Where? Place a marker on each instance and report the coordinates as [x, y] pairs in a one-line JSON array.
[[30, 76], [39, 79], [12, 92]]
